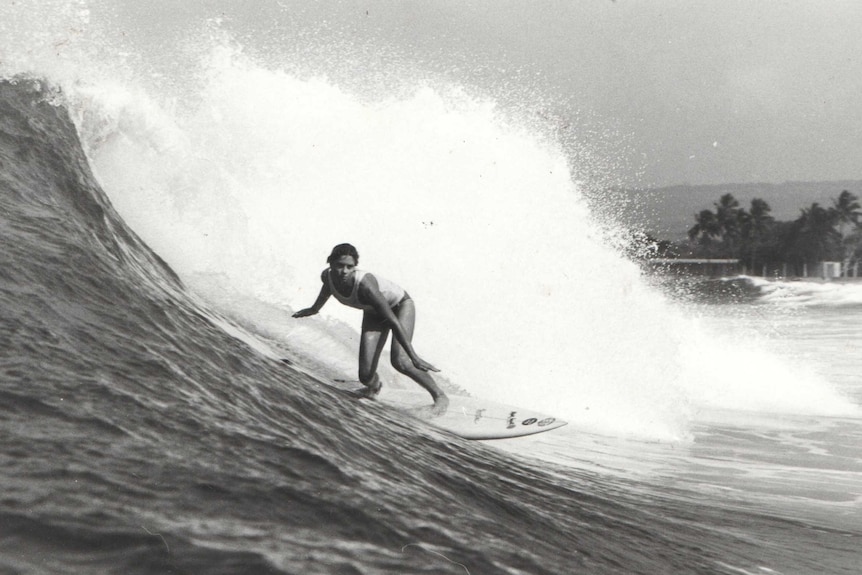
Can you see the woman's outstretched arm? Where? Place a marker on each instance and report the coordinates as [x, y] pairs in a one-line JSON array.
[[322, 298]]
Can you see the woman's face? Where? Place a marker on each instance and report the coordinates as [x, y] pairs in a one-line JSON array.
[[342, 268]]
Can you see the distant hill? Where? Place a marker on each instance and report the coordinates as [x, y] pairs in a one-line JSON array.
[[668, 213]]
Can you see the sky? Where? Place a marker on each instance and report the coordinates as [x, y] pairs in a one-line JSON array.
[[701, 91], [669, 91]]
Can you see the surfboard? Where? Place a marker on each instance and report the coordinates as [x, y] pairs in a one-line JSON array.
[[472, 417], [467, 417]]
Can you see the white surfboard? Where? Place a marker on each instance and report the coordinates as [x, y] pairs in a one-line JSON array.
[[472, 417], [467, 417]]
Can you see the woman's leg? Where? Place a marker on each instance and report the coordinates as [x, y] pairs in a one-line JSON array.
[[371, 342], [406, 313]]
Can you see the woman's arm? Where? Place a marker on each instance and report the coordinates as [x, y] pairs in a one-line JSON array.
[[369, 291], [322, 298]]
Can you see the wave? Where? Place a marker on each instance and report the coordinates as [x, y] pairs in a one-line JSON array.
[[242, 167], [789, 293], [477, 215], [140, 436], [838, 293]]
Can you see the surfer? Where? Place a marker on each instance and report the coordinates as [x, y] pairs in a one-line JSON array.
[[386, 307]]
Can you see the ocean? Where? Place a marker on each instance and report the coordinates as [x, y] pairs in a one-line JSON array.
[[164, 212]]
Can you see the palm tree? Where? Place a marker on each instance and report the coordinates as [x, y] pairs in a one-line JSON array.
[[724, 225], [755, 227], [705, 229], [847, 211], [727, 215], [816, 238]]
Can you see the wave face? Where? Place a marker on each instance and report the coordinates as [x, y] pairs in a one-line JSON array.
[[140, 437]]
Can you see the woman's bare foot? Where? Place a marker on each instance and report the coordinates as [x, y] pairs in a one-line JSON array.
[[369, 391], [441, 405]]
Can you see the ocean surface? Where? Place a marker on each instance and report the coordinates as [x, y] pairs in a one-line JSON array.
[[160, 220]]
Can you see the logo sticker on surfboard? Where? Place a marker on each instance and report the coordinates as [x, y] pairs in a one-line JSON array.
[[511, 420]]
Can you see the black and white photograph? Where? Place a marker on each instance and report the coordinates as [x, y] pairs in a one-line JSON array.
[[430, 287]]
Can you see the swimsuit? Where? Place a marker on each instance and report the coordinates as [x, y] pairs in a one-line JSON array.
[[392, 292]]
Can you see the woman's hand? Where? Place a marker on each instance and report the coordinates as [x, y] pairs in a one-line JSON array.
[[305, 312], [423, 365]]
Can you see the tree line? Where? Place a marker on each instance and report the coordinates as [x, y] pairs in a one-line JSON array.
[[820, 233]]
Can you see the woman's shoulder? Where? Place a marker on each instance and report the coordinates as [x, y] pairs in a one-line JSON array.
[[365, 279]]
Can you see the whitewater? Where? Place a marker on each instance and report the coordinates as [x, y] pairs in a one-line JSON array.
[[164, 212]]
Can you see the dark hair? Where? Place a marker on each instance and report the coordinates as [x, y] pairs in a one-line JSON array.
[[343, 250]]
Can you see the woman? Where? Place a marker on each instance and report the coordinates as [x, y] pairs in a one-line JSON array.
[[386, 307]]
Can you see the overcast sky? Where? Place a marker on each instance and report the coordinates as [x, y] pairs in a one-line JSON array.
[[701, 91], [710, 91]]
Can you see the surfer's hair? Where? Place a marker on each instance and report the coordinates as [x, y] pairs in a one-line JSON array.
[[343, 250]]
